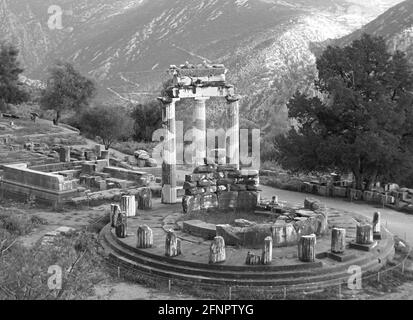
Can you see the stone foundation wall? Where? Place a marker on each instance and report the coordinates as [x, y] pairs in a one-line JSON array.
[[28, 177], [220, 188], [124, 174], [54, 167]]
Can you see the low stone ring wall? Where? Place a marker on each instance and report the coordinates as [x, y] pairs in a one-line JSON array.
[[310, 220]]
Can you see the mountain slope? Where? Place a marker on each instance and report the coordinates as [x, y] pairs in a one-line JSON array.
[[395, 26], [126, 46]]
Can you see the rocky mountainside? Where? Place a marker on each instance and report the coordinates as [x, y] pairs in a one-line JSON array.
[[395, 26], [127, 45]]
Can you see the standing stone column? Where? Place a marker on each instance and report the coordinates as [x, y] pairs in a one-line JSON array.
[[128, 205], [64, 154], [364, 234], [217, 250], [145, 237], [169, 151], [172, 244], [267, 251], [199, 132], [233, 131], [376, 223], [306, 248], [338, 240], [114, 210]]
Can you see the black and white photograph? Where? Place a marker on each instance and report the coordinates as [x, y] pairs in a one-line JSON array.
[[205, 155]]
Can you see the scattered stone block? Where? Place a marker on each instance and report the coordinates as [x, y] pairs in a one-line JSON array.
[[64, 154], [200, 228], [191, 203], [312, 204], [339, 192], [244, 223]]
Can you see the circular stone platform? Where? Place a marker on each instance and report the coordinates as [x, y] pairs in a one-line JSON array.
[[192, 265]]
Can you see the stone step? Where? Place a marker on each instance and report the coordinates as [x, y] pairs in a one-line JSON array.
[[208, 274], [310, 284]]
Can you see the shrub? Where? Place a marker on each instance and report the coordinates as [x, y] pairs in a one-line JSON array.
[[16, 224]]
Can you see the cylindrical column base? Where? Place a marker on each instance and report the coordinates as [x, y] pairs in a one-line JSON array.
[[145, 237], [377, 223], [172, 244], [338, 240], [114, 210], [306, 248], [128, 205], [217, 250], [267, 251], [364, 234]]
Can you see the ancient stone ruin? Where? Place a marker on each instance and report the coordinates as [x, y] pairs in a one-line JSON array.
[[76, 177], [199, 83]]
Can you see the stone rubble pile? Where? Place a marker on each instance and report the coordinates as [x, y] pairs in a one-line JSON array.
[[289, 226], [144, 159], [220, 187]]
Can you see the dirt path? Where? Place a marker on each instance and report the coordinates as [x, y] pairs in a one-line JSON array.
[[399, 223]]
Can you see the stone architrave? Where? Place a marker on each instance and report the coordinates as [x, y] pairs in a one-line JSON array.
[[144, 237], [306, 248], [172, 244], [338, 240], [217, 250]]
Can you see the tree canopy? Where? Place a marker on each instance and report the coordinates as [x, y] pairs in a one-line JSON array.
[[106, 122], [67, 90], [362, 120], [10, 89], [147, 118]]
